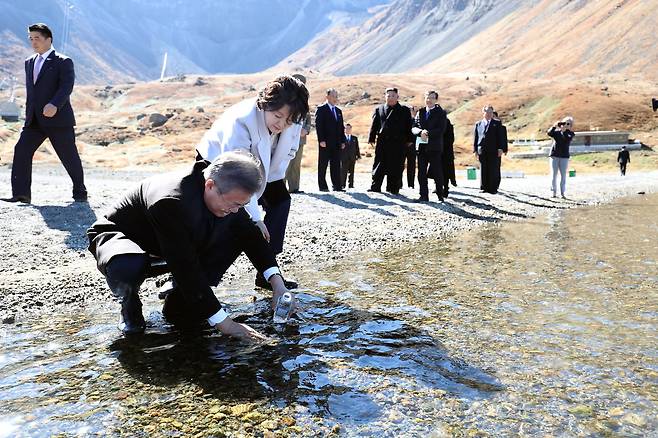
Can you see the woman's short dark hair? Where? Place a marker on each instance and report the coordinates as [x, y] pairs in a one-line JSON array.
[[42, 28], [285, 90]]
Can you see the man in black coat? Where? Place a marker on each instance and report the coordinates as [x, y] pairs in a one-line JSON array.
[[623, 158], [429, 126], [331, 138], [390, 132], [49, 78], [489, 145], [349, 155], [196, 223]]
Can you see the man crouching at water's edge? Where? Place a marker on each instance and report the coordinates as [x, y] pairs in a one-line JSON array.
[[196, 223]]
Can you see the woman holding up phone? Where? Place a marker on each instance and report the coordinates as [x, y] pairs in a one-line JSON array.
[[562, 134]]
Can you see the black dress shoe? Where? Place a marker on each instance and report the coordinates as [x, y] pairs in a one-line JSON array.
[[264, 284], [23, 199], [375, 190], [324, 190], [132, 329], [80, 198], [422, 199], [294, 192]]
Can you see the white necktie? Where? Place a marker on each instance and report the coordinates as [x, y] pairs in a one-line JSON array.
[[37, 68]]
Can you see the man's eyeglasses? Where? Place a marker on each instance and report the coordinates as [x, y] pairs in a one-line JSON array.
[[231, 205]]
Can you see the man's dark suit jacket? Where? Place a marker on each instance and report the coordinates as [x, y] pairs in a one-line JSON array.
[[54, 85], [166, 216], [624, 157], [435, 124], [329, 128], [351, 150], [449, 153], [494, 138], [394, 129]]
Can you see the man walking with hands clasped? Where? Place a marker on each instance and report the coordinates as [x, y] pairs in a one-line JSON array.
[[331, 138], [49, 78]]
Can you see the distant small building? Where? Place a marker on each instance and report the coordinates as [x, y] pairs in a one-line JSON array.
[[591, 141], [584, 142], [9, 111]]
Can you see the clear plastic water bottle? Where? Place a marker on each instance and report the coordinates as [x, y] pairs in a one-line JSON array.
[[283, 308]]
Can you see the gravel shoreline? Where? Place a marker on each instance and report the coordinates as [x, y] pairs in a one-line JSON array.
[[45, 266]]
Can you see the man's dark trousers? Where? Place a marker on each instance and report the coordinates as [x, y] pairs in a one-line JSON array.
[[63, 141], [125, 274], [329, 156], [433, 160]]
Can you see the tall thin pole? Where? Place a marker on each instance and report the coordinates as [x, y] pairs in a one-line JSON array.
[[164, 66]]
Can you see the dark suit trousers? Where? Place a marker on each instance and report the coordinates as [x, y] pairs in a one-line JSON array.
[[410, 157], [622, 167], [63, 141], [347, 168], [430, 159], [489, 172], [329, 156], [388, 163], [125, 273]]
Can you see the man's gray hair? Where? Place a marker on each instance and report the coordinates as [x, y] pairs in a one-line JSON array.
[[236, 170], [332, 91]]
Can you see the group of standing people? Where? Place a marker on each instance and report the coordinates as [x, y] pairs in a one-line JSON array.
[[401, 134], [397, 133]]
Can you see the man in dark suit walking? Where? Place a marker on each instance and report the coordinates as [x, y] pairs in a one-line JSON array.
[[331, 138], [390, 132], [489, 145], [196, 222], [430, 126], [623, 158], [48, 114]]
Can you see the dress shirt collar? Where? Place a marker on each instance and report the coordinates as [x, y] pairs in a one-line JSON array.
[[46, 53]]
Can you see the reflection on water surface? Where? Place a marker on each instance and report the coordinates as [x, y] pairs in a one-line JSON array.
[[542, 327]]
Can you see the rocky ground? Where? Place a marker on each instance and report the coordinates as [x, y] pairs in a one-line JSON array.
[[45, 266]]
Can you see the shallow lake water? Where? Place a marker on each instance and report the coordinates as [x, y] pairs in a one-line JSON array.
[[544, 327]]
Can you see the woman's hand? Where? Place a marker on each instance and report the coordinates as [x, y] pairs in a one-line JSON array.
[[263, 229]]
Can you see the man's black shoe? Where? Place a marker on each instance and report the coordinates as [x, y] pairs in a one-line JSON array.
[[23, 199], [80, 198], [374, 190], [295, 192], [324, 190], [131, 329], [422, 199], [264, 284]]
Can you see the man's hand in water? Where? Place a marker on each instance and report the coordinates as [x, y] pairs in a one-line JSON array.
[[240, 331]]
